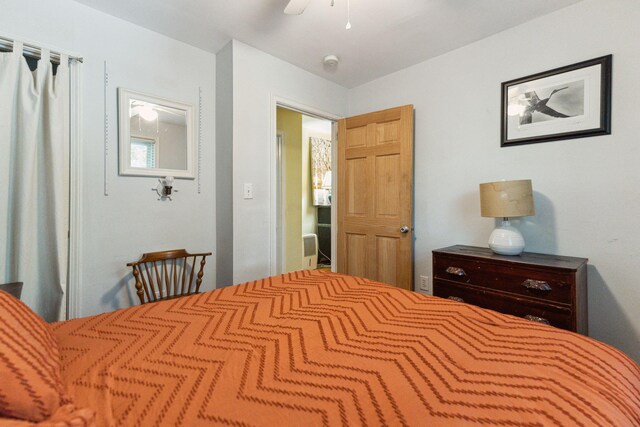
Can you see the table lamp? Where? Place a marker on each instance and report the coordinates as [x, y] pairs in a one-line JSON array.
[[506, 199]]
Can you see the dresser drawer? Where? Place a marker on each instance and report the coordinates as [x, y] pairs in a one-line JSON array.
[[558, 316], [527, 281]]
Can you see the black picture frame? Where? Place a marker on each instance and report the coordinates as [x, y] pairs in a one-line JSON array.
[[583, 87]]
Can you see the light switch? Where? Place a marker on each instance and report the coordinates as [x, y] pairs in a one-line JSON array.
[[248, 191]]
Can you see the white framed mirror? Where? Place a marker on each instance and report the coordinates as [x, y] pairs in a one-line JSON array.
[[156, 136]]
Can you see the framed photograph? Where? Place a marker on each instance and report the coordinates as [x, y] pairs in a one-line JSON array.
[[564, 103]]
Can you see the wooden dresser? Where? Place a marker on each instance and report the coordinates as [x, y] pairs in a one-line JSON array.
[[550, 289]]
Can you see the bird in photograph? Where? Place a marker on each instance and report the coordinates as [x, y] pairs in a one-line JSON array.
[[539, 105]]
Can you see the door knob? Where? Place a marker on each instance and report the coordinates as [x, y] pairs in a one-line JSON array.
[[404, 229]]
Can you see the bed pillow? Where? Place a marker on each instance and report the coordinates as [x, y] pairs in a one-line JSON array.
[[31, 385], [65, 416]]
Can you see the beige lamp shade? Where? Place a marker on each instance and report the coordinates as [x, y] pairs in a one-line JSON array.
[[506, 199]]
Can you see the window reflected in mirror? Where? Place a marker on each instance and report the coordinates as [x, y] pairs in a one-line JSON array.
[[143, 152]]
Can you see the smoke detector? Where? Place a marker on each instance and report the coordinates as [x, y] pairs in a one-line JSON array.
[[330, 61]]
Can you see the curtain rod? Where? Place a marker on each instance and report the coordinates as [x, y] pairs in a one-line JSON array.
[[32, 51]]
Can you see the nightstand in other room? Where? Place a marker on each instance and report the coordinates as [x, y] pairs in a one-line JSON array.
[[549, 289], [14, 289]]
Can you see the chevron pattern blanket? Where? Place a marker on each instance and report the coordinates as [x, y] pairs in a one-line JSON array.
[[320, 349]]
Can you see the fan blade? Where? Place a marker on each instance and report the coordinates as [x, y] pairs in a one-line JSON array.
[[296, 7]]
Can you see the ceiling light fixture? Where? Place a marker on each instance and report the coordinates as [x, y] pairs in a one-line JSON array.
[[297, 7], [148, 113], [330, 61]]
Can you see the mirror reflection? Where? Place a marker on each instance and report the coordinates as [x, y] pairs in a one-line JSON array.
[[155, 136], [158, 136]]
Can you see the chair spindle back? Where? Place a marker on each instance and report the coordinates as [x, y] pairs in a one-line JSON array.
[[168, 274]]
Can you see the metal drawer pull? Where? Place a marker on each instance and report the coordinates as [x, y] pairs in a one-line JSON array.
[[456, 271], [538, 285], [458, 299], [537, 319]]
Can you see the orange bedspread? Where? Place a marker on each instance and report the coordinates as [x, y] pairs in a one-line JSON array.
[[314, 348]]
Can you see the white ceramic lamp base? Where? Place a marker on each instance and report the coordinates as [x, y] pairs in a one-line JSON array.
[[506, 240]]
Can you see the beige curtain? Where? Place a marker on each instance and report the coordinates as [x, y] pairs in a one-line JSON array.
[[34, 147]]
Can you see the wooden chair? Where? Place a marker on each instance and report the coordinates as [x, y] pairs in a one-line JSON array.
[[167, 274]]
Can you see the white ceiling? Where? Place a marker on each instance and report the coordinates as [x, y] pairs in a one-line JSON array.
[[387, 35]]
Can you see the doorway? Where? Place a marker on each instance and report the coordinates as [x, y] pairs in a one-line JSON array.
[[304, 191]]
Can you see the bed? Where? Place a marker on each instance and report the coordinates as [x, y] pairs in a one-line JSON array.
[[314, 348]]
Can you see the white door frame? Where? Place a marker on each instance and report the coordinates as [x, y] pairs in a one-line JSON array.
[[278, 101], [281, 202]]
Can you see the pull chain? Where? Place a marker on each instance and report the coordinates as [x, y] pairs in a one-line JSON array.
[[348, 26]]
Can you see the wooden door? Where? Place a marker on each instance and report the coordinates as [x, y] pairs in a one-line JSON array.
[[375, 180]]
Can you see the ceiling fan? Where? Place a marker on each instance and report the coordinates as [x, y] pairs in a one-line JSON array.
[[297, 7]]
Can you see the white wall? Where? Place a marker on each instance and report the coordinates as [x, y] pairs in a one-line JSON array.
[[119, 227], [173, 146], [586, 191], [257, 79]]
